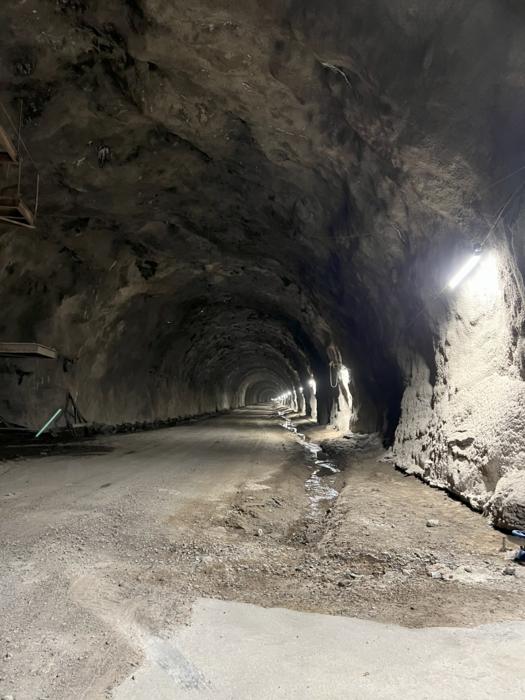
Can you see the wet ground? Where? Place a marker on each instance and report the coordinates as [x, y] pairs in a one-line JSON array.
[[322, 484], [104, 551]]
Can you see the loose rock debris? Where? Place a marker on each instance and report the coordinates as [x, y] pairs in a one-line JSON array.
[[89, 581]]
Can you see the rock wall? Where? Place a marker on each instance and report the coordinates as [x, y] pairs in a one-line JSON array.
[[462, 423]]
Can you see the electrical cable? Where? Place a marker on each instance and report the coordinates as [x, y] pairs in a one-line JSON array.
[[503, 179], [502, 211], [485, 239]]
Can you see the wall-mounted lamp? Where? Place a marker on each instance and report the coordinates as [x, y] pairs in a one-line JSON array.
[[344, 374], [467, 268]]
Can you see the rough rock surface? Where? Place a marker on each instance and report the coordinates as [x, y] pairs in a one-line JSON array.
[[284, 184], [463, 413], [507, 505]]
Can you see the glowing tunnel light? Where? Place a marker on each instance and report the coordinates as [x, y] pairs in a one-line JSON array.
[[344, 375], [467, 268]]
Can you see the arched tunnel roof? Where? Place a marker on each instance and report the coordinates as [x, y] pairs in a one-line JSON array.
[[235, 195]]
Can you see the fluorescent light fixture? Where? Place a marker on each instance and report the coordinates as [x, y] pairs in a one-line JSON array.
[[467, 268], [344, 374]]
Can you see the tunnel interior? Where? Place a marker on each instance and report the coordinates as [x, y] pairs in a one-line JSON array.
[[243, 203]]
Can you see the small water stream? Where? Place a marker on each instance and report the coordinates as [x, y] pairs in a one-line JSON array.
[[321, 484]]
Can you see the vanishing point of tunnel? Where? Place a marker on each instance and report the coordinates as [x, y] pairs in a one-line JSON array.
[[262, 349]]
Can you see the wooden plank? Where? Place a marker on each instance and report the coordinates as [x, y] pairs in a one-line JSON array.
[[26, 212], [7, 147], [16, 210], [15, 221], [27, 350]]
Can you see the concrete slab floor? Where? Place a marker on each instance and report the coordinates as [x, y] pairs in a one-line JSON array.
[[234, 650]]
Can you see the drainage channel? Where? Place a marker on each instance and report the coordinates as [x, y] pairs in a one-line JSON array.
[[321, 484]]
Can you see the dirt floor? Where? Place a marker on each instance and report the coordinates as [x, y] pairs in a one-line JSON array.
[[122, 534]]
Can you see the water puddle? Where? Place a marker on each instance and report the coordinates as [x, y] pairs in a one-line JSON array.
[[321, 484], [287, 424]]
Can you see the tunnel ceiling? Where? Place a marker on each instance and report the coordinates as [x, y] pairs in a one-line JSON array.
[[275, 169]]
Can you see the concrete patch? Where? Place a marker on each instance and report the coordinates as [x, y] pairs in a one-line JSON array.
[[234, 650]]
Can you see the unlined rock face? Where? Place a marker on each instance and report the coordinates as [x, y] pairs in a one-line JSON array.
[[507, 505], [235, 195], [463, 421]]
